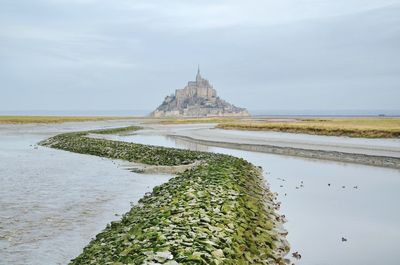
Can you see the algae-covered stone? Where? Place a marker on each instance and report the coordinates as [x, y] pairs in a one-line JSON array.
[[217, 212], [218, 253], [171, 262], [163, 256]]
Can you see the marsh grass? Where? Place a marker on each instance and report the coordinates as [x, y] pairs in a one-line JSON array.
[[351, 127], [54, 119]]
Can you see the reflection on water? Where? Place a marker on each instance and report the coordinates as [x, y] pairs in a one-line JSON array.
[[167, 141], [52, 202], [325, 201], [189, 145]]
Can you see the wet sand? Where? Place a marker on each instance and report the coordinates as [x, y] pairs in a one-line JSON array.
[[376, 152]]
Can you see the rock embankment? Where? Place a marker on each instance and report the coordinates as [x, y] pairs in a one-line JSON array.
[[216, 212]]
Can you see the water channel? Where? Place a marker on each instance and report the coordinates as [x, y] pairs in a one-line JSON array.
[[324, 201], [53, 202]]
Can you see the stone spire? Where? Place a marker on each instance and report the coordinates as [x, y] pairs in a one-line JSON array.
[[198, 76]]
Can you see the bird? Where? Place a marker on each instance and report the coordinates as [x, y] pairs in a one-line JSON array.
[[296, 255], [344, 239], [355, 187], [329, 184]]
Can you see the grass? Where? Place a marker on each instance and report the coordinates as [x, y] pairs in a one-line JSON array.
[[351, 127], [54, 119], [219, 212]]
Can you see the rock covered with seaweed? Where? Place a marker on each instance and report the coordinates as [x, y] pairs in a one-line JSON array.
[[218, 212]]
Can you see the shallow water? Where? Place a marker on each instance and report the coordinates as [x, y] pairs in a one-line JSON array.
[[379, 147], [322, 139], [320, 215], [53, 202]]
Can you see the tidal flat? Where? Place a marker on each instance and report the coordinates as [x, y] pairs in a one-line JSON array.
[[322, 200], [361, 127], [350, 127], [220, 211], [55, 119], [43, 222], [53, 202]]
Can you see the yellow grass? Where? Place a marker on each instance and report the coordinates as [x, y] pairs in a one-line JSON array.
[[53, 119], [352, 127]]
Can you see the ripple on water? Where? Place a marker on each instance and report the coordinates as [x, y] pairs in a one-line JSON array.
[[53, 202]]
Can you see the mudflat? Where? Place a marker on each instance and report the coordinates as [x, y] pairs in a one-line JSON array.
[[378, 152]]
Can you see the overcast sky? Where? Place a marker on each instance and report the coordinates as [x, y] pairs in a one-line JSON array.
[[258, 54]]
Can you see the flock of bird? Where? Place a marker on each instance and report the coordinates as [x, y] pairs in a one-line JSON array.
[[296, 254]]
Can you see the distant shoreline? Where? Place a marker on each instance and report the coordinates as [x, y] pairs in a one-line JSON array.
[[256, 113], [55, 119], [380, 161]]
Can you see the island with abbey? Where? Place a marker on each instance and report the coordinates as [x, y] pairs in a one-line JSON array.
[[197, 99]]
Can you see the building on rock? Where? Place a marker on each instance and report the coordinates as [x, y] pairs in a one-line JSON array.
[[197, 99]]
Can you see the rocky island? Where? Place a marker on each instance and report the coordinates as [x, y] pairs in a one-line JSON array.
[[197, 99]]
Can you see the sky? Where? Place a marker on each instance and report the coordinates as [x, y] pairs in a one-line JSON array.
[[285, 55]]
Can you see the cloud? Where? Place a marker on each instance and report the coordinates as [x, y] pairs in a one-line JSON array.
[[250, 50]]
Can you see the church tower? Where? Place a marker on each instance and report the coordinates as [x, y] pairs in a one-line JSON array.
[[198, 76]]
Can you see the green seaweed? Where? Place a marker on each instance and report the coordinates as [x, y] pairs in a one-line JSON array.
[[117, 130], [213, 213]]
